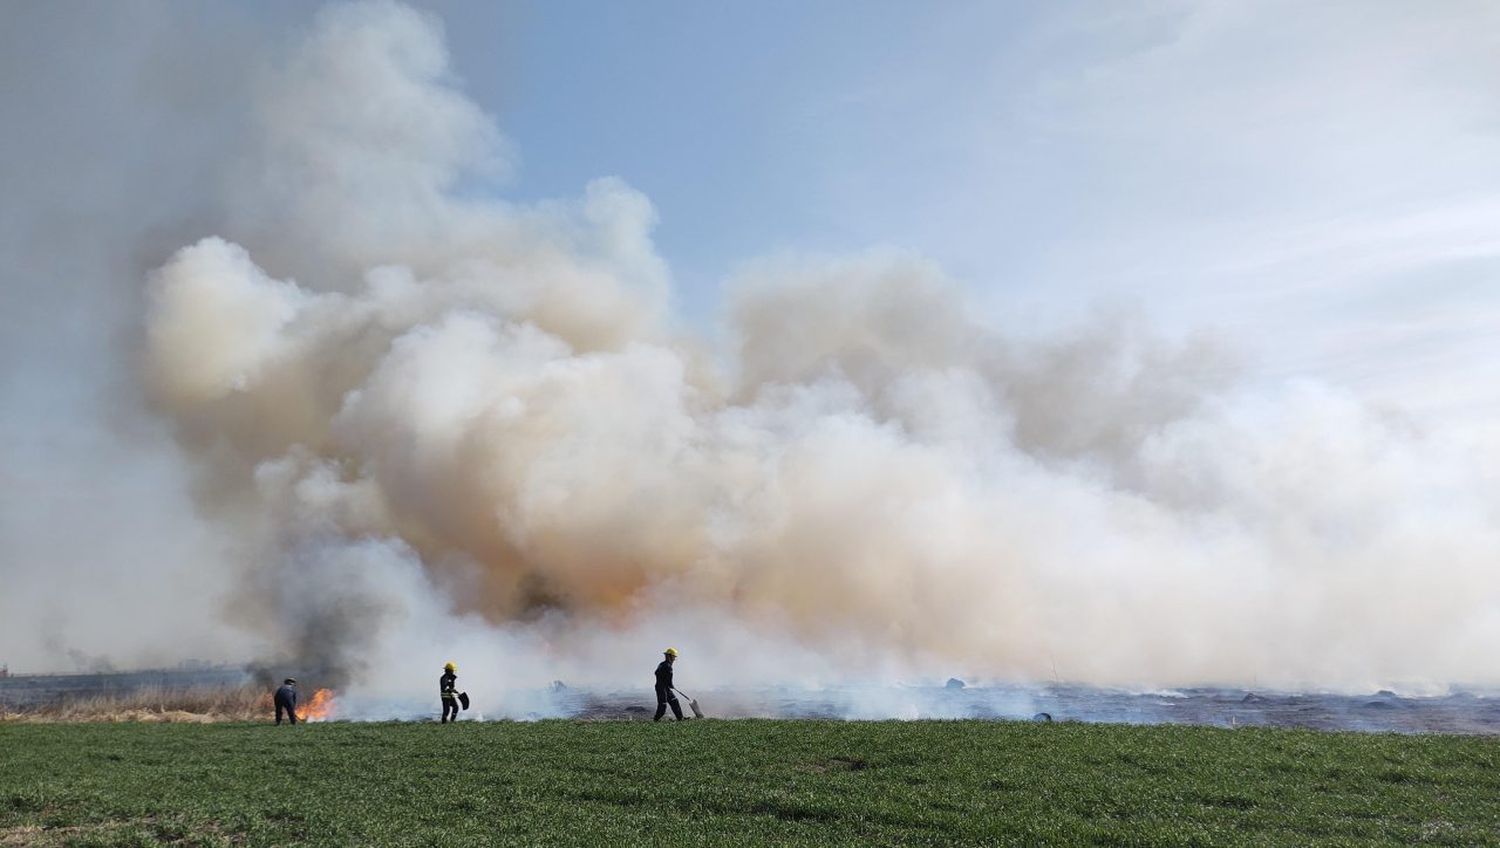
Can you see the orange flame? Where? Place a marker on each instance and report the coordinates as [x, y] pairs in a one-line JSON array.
[[319, 707]]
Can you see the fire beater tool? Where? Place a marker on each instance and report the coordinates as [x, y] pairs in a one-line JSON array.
[[692, 702], [463, 698]]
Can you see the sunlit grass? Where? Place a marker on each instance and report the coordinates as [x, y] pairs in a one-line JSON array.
[[740, 783]]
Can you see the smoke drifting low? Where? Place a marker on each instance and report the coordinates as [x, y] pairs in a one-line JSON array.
[[436, 425]]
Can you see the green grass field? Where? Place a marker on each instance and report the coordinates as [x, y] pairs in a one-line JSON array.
[[739, 783]]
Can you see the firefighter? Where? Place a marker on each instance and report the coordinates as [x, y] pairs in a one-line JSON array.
[[665, 696], [286, 699], [448, 689]]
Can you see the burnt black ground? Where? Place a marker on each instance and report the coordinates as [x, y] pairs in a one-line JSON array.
[[1474, 711], [1458, 712]]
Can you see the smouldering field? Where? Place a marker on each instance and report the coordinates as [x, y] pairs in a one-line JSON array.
[[746, 782]]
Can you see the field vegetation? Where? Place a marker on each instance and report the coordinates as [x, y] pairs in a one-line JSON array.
[[151, 704], [753, 782]]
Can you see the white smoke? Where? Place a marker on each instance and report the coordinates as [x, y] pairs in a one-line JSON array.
[[439, 426]]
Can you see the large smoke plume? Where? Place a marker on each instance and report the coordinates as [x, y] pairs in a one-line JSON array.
[[437, 424]]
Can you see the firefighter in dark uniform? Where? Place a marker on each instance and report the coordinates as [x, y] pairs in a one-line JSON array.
[[286, 700], [448, 689], [664, 694]]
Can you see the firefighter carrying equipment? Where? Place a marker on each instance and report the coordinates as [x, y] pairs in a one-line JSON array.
[[448, 690], [664, 695]]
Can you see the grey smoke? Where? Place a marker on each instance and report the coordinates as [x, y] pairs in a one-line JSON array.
[[421, 425]]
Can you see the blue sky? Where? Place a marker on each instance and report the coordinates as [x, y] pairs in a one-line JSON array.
[[783, 126], [729, 119], [1314, 184]]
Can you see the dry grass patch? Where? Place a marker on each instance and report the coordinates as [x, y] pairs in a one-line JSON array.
[[155, 704]]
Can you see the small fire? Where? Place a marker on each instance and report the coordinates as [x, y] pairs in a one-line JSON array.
[[319, 707]]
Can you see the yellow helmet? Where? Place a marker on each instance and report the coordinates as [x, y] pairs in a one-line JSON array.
[[448, 666], [671, 652]]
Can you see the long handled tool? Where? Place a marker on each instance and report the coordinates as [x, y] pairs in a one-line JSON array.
[[692, 702]]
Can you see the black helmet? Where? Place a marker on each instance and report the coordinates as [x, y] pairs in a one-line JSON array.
[[290, 681]]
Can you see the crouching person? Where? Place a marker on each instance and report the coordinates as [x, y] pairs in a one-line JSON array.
[[286, 700]]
